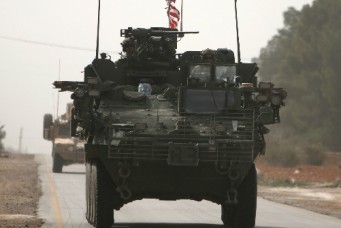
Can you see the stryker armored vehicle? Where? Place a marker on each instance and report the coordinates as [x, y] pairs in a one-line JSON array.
[[170, 126], [66, 150]]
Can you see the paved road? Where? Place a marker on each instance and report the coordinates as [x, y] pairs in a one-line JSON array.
[[63, 205]]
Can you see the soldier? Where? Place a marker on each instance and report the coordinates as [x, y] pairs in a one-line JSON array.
[[207, 55], [128, 47]]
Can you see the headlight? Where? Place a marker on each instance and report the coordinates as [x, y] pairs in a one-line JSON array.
[[276, 100], [79, 92]]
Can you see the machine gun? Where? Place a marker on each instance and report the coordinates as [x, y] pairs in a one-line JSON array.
[[68, 85], [155, 43], [85, 98], [153, 31], [92, 87]]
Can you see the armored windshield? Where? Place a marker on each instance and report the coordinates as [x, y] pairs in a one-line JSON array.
[[202, 72], [225, 72], [64, 130]]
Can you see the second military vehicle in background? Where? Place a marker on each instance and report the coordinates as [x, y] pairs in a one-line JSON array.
[[66, 150]]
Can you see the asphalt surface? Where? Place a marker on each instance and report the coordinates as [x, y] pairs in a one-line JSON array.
[[63, 205]]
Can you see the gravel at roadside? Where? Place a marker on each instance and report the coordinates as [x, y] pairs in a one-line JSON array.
[[323, 200], [19, 191]]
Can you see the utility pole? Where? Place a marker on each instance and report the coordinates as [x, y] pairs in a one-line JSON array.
[[58, 92], [20, 140]]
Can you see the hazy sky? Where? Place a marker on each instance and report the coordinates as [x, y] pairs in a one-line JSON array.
[[32, 30]]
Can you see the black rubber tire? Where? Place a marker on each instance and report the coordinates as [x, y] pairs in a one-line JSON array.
[[73, 123], [57, 163], [90, 193], [243, 215], [99, 194], [48, 121], [87, 190]]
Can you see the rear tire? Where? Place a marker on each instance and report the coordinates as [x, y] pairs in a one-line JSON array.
[[47, 123], [57, 163], [99, 192], [244, 213], [47, 120]]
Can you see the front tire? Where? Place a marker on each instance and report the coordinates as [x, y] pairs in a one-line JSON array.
[[57, 164], [244, 213], [99, 192]]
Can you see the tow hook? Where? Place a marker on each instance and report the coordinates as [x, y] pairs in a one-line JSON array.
[[124, 172], [232, 197], [221, 167], [124, 191], [234, 174]]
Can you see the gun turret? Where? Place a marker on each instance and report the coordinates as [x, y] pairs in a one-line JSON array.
[[155, 43], [153, 31]]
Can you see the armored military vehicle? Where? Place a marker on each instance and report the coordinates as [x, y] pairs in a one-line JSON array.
[[170, 126], [66, 150]]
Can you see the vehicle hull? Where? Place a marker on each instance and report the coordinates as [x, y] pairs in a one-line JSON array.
[[138, 179]]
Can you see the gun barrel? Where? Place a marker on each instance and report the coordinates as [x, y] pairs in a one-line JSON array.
[[66, 85], [152, 32], [159, 33], [189, 32]]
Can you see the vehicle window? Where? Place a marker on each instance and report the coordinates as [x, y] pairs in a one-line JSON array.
[[200, 72], [225, 73], [64, 130]]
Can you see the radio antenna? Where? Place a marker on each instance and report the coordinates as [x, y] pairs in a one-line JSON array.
[[181, 15], [237, 29], [97, 42]]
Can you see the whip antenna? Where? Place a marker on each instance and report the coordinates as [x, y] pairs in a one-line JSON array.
[[237, 28], [181, 14], [97, 42]]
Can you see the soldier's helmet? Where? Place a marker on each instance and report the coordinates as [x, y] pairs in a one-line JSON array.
[[127, 43], [207, 55]]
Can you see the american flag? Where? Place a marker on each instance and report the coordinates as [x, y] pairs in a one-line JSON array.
[[173, 14]]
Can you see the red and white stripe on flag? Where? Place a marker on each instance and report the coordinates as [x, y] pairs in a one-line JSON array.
[[173, 14]]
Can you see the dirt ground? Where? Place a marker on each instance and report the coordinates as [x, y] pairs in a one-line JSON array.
[[316, 188], [19, 191]]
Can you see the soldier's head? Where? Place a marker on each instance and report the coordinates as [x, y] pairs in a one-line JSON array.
[[207, 55], [128, 46]]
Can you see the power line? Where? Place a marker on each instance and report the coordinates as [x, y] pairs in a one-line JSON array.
[[67, 46], [49, 44]]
